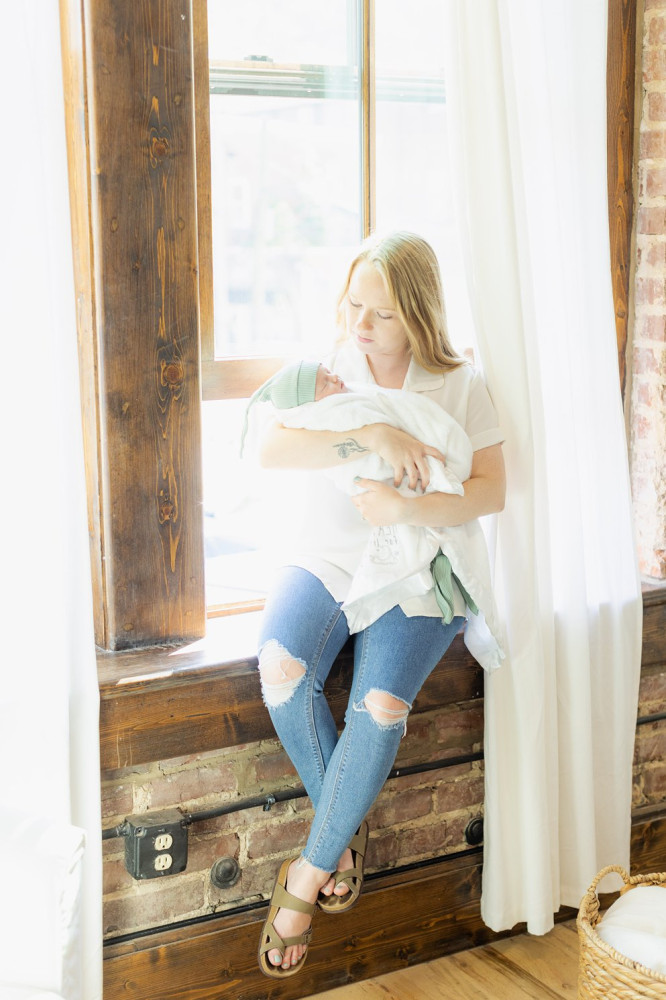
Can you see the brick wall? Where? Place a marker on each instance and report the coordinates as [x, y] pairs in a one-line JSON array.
[[416, 817], [648, 394]]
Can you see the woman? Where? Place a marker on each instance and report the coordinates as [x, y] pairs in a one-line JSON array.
[[394, 335]]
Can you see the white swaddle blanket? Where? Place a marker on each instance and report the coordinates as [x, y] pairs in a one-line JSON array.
[[396, 562]]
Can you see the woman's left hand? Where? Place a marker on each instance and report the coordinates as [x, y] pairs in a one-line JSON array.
[[380, 505]]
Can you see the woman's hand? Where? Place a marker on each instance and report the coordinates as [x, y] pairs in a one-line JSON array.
[[380, 505], [405, 454]]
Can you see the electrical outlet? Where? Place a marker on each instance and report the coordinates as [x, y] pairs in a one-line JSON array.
[[155, 844]]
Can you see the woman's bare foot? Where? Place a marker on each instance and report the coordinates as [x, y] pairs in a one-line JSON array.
[[305, 882], [344, 864]]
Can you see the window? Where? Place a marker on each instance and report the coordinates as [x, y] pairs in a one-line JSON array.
[[327, 120]]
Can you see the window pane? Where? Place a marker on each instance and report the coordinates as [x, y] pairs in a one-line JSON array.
[[413, 185], [285, 175], [237, 543], [288, 31]]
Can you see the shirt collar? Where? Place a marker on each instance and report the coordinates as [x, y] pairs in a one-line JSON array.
[[417, 378]]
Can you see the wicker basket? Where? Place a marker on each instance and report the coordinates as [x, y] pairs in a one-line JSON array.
[[602, 971]]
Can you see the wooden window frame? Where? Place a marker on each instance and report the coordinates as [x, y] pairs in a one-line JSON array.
[[139, 170]]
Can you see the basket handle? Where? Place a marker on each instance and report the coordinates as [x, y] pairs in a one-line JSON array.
[[606, 871]]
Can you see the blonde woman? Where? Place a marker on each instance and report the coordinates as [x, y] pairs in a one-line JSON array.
[[393, 335]]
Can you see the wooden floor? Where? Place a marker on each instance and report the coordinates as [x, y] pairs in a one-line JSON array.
[[518, 968]]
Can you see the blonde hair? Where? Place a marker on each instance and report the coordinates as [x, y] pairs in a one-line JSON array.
[[410, 271]]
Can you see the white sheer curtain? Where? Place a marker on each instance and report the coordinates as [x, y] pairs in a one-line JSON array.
[[50, 826], [526, 101]]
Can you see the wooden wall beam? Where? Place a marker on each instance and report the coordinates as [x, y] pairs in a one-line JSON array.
[[620, 87], [158, 705], [181, 708], [133, 183], [403, 918]]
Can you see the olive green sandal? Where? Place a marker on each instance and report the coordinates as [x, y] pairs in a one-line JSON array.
[[270, 939], [352, 877]]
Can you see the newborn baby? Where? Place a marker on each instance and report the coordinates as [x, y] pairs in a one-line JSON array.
[[400, 560]]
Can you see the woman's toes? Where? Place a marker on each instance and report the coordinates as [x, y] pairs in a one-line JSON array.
[[328, 887]]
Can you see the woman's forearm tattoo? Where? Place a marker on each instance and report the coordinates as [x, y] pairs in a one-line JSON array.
[[348, 447]]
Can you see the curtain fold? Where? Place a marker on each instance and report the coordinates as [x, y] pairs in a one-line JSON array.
[[50, 825], [527, 117]]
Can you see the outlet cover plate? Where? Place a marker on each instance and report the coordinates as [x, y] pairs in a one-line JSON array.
[[143, 857]]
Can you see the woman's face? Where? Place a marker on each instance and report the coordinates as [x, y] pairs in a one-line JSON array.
[[370, 315]]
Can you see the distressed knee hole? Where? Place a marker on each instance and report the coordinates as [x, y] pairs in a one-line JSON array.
[[280, 673], [385, 709]]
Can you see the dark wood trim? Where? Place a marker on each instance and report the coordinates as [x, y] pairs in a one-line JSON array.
[[403, 919], [181, 706], [620, 87], [162, 703], [236, 378], [203, 180], [133, 169]]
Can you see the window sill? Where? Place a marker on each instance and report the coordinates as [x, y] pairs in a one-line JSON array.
[[156, 704], [162, 703]]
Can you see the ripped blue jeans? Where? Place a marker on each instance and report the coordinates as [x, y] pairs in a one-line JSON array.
[[303, 630]]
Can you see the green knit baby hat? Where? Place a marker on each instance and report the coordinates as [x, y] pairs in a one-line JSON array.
[[291, 386]]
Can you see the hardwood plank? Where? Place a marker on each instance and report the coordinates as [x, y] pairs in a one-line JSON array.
[[551, 960], [541, 968], [475, 976]]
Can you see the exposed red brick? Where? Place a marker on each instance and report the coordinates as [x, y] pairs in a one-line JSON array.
[[650, 744], [654, 65], [115, 876], [117, 801], [190, 784], [650, 292], [652, 694], [656, 102], [153, 903], [645, 361], [652, 221], [458, 795], [656, 31], [460, 729], [277, 838], [425, 841], [653, 143], [400, 808], [652, 327], [384, 850], [654, 785], [273, 766], [655, 182], [257, 878], [653, 254], [203, 852]]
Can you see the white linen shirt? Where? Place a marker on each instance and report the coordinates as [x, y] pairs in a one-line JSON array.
[[330, 535]]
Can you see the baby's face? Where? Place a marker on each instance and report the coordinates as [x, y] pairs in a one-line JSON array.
[[328, 384]]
